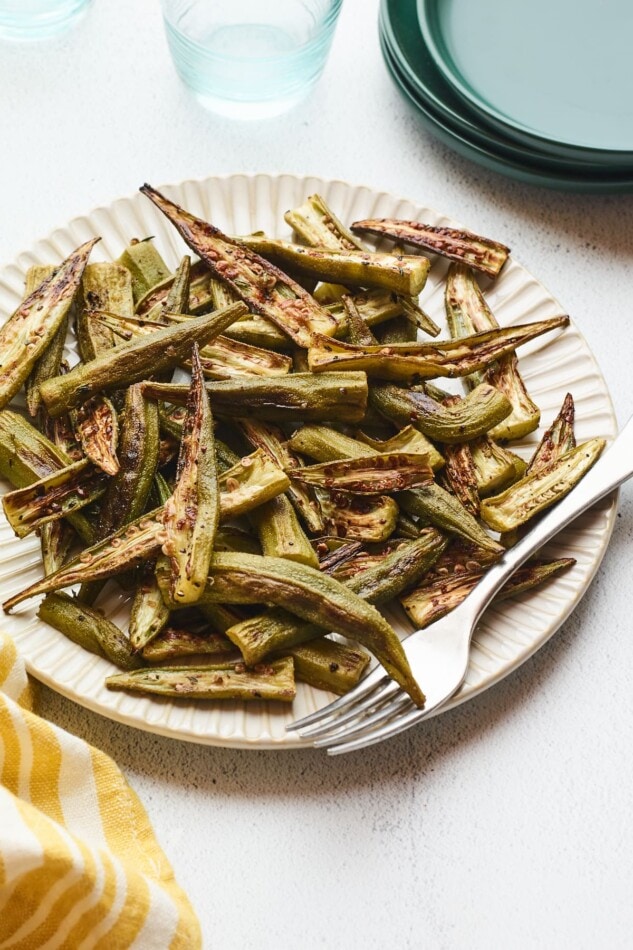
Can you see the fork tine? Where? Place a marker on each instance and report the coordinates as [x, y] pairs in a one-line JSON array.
[[379, 735], [385, 713], [354, 710], [369, 683]]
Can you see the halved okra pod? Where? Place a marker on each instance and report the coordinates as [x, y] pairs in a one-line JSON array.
[[273, 680], [29, 331], [50, 361], [96, 427], [413, 362], [467, 312], [192, 513], [265, 288], [105, 286], [482, 253]]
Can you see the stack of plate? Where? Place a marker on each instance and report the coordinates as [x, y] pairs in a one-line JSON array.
[[540, 90]]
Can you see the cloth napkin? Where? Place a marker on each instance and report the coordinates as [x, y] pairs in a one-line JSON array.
[[80, 867]]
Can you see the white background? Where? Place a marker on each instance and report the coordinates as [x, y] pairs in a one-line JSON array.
[[506, 822]]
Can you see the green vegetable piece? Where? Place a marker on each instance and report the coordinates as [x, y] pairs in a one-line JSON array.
[[96, 428], [252, 481], [417, 361], [439, 595], [50, 361], [146, 266], [273, 442], [26, 335], [192, 513], [481, 253], [133, 361], [88, 628], [495, 466], [159, 299], [218, 681], [280, 533], [542, 488], [26, 456], [244, 578], [466, 419], [55, 496], [375, 475], [106, 286], [174, 643], [300, 396], [358, 268], [265, 288], [467, 312], [406, 440], [326, 664], [364, 518], [557, 440], [277, 629], [127, 493]]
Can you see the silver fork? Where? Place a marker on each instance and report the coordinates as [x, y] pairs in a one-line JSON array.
[[377, 708]]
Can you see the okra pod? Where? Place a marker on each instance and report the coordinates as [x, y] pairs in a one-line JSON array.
[[146, 266], [326, 664], [467, 312], [192, 513], [56, 539], [26, 456], [411, 362], [230, 538], [356, 268], [467, 419], [273, 680], [460, 476], [149, 613], [106, 286], [406, 440], [261, 285], [280, 533], [96, 427], [375, 475], [127, 493], [557, 440], [158, 300], [360, 517], [222, 359], [495, 466], [50, 361], [483, 254], [29, 331], [252, 481], [542, 488], [88, 628], [173, 643], [300, 396], [273, 442], [131, 362], [437, 597], [277, 629], [53, 497], [243, 578]]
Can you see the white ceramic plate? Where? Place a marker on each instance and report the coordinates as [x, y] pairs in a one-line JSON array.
[[508, 634]]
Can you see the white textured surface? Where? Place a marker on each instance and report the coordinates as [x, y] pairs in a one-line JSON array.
[[503, 823]]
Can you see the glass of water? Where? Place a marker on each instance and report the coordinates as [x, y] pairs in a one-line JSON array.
[[36, 19], [250, 58]]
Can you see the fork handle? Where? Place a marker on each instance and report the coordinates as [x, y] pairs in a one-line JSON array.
[[615, 466]]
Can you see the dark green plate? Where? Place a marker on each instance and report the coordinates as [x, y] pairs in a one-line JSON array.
[[495, 160], [552, 75]]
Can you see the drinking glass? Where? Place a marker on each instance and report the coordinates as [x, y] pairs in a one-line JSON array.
[[35, 19], [250, 58]]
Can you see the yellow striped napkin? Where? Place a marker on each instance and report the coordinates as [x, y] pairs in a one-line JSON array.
[[80, 867]]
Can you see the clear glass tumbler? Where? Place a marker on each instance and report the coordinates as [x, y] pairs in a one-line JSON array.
[[36, 19], [250, 58]]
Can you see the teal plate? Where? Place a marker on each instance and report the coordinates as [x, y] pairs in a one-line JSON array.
[[399, 23], [494, 160], [553, 75]]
